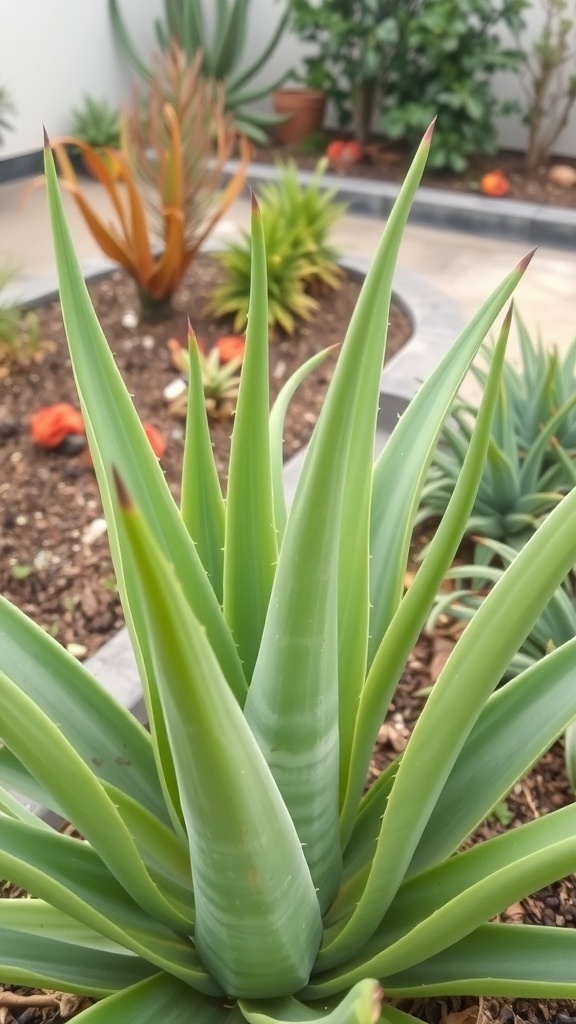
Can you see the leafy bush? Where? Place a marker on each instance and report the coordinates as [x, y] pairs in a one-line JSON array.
[[232, 868], [221, 53], [447, 54], [530, 463], [296, 221], [549, 82], [171, 169], [354, 47]]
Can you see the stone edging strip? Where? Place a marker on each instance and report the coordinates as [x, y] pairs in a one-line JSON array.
[[514, 219]]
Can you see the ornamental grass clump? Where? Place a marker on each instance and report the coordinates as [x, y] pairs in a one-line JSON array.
[[531, 457], [232, 868]]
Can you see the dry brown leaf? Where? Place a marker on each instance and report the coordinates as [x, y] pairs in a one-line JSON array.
[[442, 648], [470, 1015]]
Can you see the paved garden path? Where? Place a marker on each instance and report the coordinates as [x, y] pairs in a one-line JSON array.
[[463, 266]]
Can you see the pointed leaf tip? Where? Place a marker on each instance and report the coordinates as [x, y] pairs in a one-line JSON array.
[[46, 139], [429, 131], [123, 496], [254, 202], [526, 260]]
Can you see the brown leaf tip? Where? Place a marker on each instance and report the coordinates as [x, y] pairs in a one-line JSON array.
[[526, 260], [123, 496], [429, 132], [46, 139], [254, 202]]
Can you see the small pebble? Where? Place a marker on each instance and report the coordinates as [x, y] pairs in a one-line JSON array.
[[129, 319], [174, 389], [72, 444], [177, 434], [76, 650], [93, 531], [42, 559], [21, 520], [9, 427], [148, 342]]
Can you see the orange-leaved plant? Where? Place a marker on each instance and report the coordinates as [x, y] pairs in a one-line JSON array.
[[165, 185]]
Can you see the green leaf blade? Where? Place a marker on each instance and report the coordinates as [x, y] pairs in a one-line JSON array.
[[257, 916], [251, 550]]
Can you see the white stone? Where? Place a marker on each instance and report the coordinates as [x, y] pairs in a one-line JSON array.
[[93, 531], [129, 319], [174, 389]]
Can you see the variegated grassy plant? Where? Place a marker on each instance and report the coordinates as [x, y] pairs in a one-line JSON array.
[[232, 868]]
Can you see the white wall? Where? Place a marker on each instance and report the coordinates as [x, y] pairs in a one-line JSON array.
[[512, 132], [54, 51]]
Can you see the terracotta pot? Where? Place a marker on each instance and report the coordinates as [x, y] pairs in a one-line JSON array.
[[305, 108]]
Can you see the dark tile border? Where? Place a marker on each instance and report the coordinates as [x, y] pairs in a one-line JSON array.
[[24, 166], [533, 223]]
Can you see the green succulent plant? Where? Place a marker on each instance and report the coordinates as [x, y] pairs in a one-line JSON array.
[[19, 332], [220, 380], [222, 53], [232, 869], [97, 123], [530, 464], [296, 221]]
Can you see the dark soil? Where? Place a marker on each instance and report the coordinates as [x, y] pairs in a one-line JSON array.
[[49, 566], [387, 161]]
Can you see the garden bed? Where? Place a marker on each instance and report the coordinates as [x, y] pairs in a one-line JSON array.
[[54, 564], [385, 161]]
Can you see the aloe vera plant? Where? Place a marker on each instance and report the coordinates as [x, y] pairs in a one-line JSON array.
[[232, 869], [222, 52], [530, 464]]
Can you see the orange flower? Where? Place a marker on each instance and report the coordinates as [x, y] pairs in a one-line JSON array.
[[157, 440], [334, 151], [344, 152], [51, 424], [495, 183], [229, 347]]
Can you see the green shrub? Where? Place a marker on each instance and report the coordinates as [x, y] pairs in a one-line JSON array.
[[296, 220], [447, 55], [350, 50], [232, 869]]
